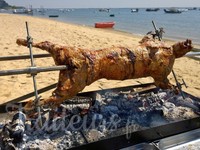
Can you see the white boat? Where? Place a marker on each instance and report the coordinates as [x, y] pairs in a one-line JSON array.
[[104, 10], [134, 10], [23, 11], [182, 9]]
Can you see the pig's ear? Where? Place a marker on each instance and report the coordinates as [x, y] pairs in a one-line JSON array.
[[188, 44]]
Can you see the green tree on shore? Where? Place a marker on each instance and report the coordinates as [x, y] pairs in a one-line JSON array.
[[5, 5]]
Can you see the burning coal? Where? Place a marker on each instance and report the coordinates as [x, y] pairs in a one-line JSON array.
[[113, 113]]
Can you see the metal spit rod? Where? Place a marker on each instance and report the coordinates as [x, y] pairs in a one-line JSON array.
[[32, 70], [20, 57], [156, 31], [177, 83], [36, 101], [6, 58]]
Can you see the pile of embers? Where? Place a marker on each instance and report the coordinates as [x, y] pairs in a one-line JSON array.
[[112, 114]]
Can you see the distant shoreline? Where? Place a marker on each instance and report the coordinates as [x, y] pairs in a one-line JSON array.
[[61, 18]]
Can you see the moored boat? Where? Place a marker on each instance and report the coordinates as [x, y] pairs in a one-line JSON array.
[[152, 9], [134, 10], [104, 24], [104, 10], [23, 11], [172, 11], [183, 9], [41, 10], [53, 16]]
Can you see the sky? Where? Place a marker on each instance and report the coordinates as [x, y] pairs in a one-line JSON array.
[[104, 3]]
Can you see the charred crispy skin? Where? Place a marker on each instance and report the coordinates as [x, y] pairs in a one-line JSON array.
[[150, 58]]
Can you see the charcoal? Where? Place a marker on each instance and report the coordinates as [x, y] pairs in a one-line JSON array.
[[112, 114], [9, 146], [19, 116], [18, 127], [109, 110], [169, 106], [98, 117], [187, 102], [94, 135], [162, 95], [96, 107], [28, 126], [65, 143], [112, 95], [1, 126], [14, 131], [54, 125]]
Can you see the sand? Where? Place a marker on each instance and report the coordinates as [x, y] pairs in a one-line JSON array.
[[13, 27]]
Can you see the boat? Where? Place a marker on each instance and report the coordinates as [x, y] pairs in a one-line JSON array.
[[53, 16], [104, 10], [172, 11], [104, 24], [23, 11], [112, 15], [152, 9], [183, 9], [41, 10], [193, 8], [134, 10]]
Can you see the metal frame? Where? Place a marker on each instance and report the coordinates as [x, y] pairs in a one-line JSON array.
[[33, 70], [37, 98], [19, 57]]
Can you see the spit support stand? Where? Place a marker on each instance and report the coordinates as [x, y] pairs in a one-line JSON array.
[[37, 98], [178, 84]]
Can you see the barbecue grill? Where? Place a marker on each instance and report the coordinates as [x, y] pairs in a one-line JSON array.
[[141, 102], [160, 136]]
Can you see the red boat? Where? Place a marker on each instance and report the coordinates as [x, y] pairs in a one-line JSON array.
[[104, 24]]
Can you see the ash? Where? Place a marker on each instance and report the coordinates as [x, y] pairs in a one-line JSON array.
[[113, 114]]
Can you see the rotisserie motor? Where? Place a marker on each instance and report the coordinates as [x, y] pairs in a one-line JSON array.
[[150, 58]]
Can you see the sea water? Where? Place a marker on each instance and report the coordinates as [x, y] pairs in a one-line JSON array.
[[176, 26]]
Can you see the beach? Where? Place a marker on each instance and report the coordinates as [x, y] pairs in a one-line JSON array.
[[13, 27]]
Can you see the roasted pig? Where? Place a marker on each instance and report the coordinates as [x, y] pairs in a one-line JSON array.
[[150, 58]]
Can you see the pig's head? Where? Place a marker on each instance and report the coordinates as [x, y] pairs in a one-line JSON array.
[[181, 48]]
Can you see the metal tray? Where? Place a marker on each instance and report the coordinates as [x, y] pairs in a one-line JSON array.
[[142, 146], [141, 139], [178, 140]]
